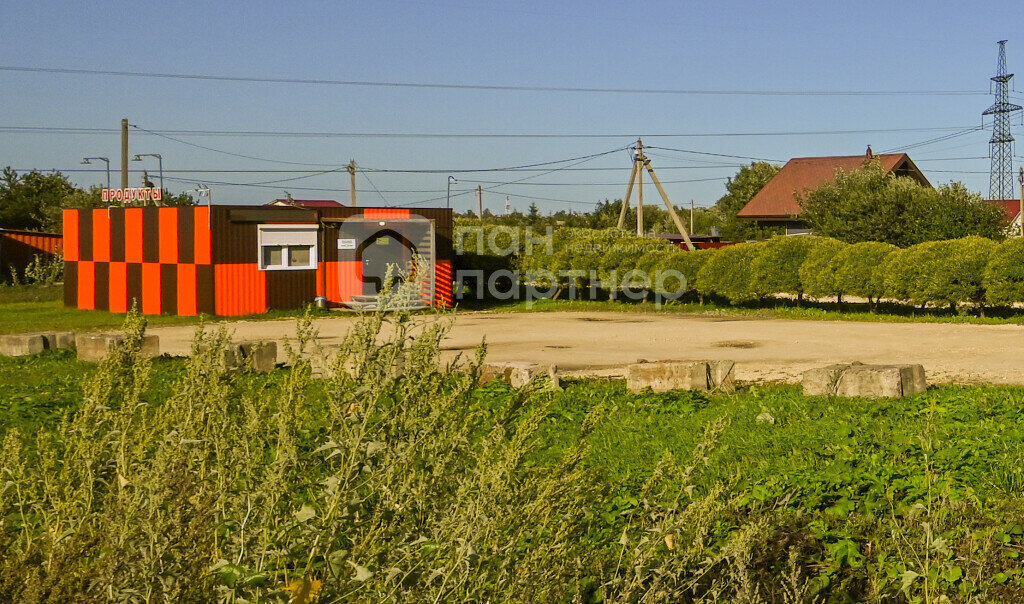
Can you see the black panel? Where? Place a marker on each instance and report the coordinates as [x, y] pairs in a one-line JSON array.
[[71, 284], [102, 285], [290, 289], [133, 282], [116, 234], [85, 234], [169, 289], [186, 235], [150, 235], [205, 294]]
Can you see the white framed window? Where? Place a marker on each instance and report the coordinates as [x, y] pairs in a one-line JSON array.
[[287, 247]]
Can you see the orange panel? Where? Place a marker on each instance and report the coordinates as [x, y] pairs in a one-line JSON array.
[[202, 237], [241, 289], [150, 288], [350, 279], [168, 221], [188, 303], [386, 213], [101, 235], [443, 283], [133, 235], [118, 283], [86, 284], [71, 235]]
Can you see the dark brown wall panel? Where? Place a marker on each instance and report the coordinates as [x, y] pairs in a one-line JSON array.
[[290, 289], [205, 299], [186, 235], [150, 235], [71, 284], [85, 235], [116, 235], [169, 289], [102, 286], [134, 283]]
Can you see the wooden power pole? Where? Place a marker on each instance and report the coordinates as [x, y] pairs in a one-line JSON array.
[[641, 163], [480, 202], [352, 182], [1020, 209], [124, 153]]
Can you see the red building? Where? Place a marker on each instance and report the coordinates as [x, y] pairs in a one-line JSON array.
[[239, 260], [19, 248]]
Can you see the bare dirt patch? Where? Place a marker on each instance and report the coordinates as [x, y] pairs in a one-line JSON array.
[[583, 341]]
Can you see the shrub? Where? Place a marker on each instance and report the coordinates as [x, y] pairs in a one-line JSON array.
[[908, 273], [860, 272], [819, 273], [727, 273], [776, 269], [957, 270], [1004, 275]]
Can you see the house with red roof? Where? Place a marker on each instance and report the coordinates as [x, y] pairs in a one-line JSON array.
[[1011, 209], [776, 204]]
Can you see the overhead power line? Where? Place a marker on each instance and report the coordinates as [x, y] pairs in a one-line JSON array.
[[482, 135], [494, 87]]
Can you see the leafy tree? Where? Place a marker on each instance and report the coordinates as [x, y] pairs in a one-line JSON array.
[[872, 205], [741, 189], [819, 273], [908, 272], [860, 272], [33, 200], [1004, 275]]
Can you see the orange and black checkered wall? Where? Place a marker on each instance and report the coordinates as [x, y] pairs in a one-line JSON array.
[[156, 258], [193, 260]]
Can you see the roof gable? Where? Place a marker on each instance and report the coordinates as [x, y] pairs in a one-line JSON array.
[[778, 198], [1011, 207]]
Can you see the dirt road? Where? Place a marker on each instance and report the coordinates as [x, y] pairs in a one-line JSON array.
[[600, 343]]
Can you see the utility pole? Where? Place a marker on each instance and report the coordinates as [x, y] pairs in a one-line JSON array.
[[639, 193], [352, 182], [124, 153], [480, 202], [1020, 210], [640, 163], [691, 215]]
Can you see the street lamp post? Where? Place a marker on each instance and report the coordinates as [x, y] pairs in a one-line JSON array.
[[159, 159], [451, 179], [85, 160]]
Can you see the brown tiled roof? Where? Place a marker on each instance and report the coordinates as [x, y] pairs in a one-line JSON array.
[[777, 200], [1011, 207]]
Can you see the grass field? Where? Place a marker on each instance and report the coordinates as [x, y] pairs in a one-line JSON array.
[[185, 480], [35, 308]]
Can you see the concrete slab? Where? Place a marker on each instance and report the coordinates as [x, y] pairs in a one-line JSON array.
[[93, 348], [662, 376], [867, 381], [519, 373]]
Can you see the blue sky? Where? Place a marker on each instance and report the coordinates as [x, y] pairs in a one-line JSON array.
[[727, 45]]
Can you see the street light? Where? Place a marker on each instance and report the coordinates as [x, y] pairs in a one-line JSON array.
[[160, 159], [451, 179], [85, 160]]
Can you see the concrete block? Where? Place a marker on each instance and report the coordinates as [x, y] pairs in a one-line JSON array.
[[263, 355], [93, 348], [518, 373], [662, 376], [59, 340], [665, 376], [22, 344], [721, 377], [867, 381]]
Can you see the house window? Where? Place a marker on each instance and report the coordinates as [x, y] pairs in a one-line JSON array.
[[287, 246]]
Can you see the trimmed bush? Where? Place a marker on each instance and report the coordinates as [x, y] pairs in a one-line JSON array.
[[819, 272], [727, 273], [777, 267], [956, 271], [1004, 275], [860, 269]]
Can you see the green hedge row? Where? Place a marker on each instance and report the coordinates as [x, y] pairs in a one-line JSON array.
[[971, 270]]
